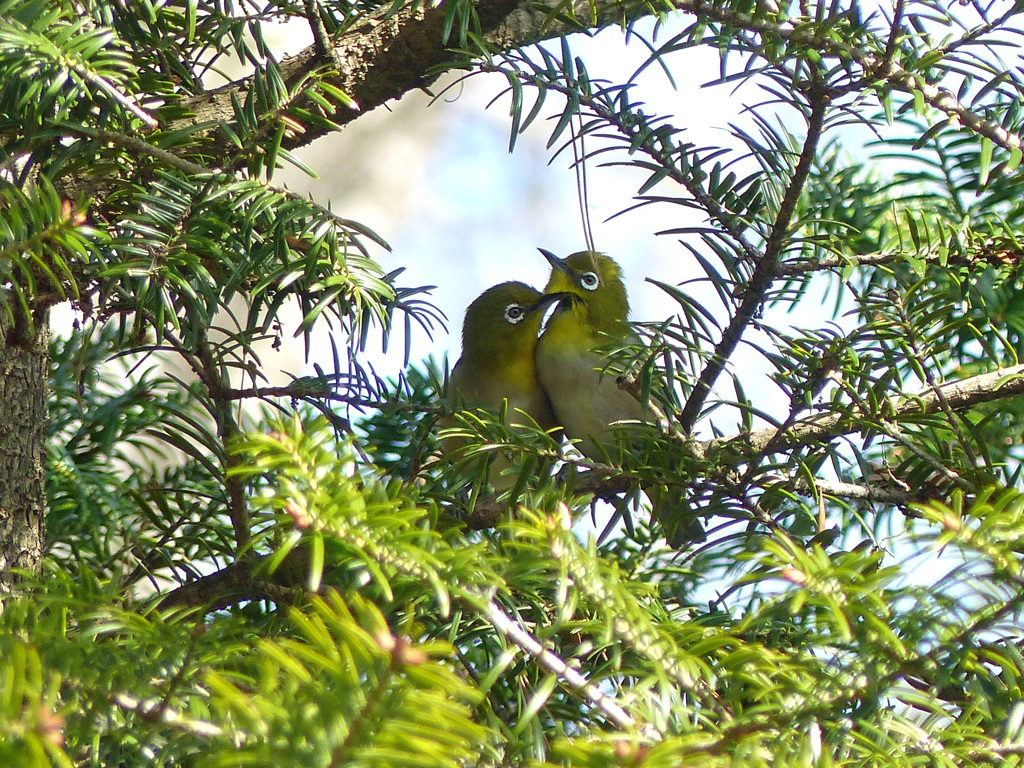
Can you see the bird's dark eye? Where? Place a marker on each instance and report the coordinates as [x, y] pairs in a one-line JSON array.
[[514, 313], [590, 281]]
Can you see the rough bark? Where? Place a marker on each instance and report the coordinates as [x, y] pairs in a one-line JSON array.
[[24, 364], [393, 52]]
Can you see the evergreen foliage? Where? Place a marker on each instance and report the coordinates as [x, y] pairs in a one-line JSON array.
[[239, 574]]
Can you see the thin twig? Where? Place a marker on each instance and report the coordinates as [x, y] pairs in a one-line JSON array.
[[764, 273], [994, 256], [321, 39], [303, 390], [893, 431], [876, 67], [111, 90], [981, 29], [136, 144], [894, 31], [554, 664], [217, 385], [912, 335], [153, 709]]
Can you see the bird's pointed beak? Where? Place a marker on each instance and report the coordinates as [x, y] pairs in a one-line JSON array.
[[555, 262], [545, 301]]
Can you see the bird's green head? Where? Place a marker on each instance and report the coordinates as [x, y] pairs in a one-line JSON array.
[[503, 322], [592, 283]]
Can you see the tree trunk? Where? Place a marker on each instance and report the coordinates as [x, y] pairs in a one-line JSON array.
[[24, 364]]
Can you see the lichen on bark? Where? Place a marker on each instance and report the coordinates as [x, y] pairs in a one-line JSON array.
[[24, 364]]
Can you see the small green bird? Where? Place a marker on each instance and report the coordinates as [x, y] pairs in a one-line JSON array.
[[590, 314], [499, 335]]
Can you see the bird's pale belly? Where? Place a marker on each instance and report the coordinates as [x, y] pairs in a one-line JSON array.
[[585, 401]]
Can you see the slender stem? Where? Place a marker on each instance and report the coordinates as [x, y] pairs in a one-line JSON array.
[[911, 446], [557, 666], [321, 39], [218, 385], [152, 709], [877, 68], [340, 756], [107, 87], [919, 353], [894, 31], [765, 272]]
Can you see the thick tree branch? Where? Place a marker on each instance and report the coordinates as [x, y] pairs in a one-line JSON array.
[[238, 581], [389, 54], [244, 579], [24, 364], [960, 395], [840, 490]]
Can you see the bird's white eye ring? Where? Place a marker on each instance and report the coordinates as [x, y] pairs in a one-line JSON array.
[[590, 281], [514, 313]]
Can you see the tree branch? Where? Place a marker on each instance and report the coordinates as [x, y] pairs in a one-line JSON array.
[[393, 52], [605, 481], [557, 666], [992, 255], [241, 580], [237, 582], [878, 68], [966, 393], [318, 390], [766, 270]]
